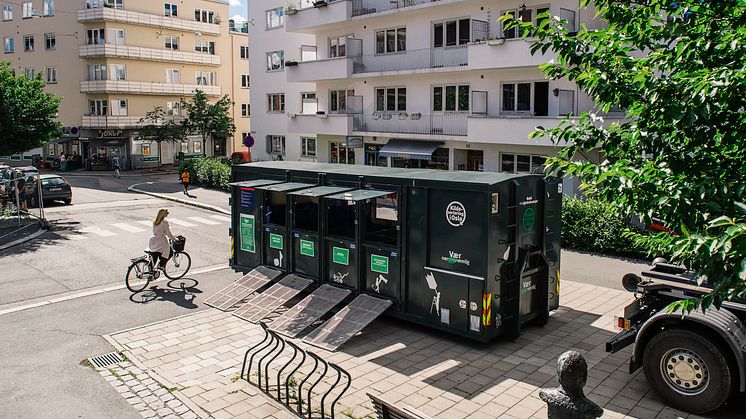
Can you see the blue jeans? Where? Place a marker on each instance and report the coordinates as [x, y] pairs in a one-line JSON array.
[[63, 166]]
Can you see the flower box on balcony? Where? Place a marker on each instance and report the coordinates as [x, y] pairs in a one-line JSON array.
[[321, 3], [497, 41], [291, 63], [321, 114], [291, 10]]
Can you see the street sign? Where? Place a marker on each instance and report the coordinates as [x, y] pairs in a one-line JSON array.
[[248, 141]]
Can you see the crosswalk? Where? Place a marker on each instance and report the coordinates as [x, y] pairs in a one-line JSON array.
[[142, 226]]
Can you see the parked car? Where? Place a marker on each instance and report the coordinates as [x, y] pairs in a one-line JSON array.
[[7, 173], [54, 188]]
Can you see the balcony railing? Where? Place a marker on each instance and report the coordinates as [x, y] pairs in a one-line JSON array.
[[118, 121], [145, 88], [147, 54], [448, 57], [415, 123], [146, 19], [366, 7]]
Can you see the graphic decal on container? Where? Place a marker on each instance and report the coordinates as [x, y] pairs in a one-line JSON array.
[[278, 260], [377, 286], [430, 278]]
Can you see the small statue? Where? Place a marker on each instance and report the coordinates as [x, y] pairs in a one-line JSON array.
[[568, 400]]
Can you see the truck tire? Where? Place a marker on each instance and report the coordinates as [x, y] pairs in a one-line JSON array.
[[688, 371]]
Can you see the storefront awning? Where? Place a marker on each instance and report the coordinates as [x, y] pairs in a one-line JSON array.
[[286, 186], [255, 183], [360, 194], [109, 141], [410, 149], [319, 191], [65, 139]]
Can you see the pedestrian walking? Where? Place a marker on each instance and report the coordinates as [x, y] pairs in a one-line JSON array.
[[185, 180], [63, 162], [158, 244], [116, 163], [21, 190]]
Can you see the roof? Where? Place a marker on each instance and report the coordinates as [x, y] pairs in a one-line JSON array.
[[488, 178]]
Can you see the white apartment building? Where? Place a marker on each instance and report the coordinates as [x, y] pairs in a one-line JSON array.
[[405, 83]]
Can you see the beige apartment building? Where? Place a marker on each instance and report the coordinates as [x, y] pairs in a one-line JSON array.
[[111, 61]]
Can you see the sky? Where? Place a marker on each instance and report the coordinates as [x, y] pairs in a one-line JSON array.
[[238, 10]]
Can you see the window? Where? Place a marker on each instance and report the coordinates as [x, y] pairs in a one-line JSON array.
[[7, 12], [307, 147], [50, 41], [451, 98], [452, 32], [524, 14], [521, 163], [48, 7], [203, 15], [116, 37], [9, 44], [309, 103], [275, 18], [116, 4], [569, 16], [391, 99], [172, 42], [206, 78], [28, 43], [338, 100], [171, 10], [173, 108], [339, 153], [205, 47], [173, 76], [30, 73], [98, 107], [245, 82], [97, 72], [94, 36], [245, 110], [276, 144], [517, 97], [51, 75], [275, 60], [275, 102], [391, 40], [338, 46], [244, 52], [119, 107], [118, 72], [28, 10]]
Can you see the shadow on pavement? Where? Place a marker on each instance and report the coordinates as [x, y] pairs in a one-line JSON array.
[[181, 292]]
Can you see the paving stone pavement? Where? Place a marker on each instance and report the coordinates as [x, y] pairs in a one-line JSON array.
[[435, 373]]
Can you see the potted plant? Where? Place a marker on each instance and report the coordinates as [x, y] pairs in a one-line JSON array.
[[290, 9]]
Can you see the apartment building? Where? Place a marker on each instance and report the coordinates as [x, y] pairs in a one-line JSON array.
[[111, 61], [406, 83]]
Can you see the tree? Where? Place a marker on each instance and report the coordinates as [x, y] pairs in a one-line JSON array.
[[159, 127], [28, 115], [208, 119], [677, 68]]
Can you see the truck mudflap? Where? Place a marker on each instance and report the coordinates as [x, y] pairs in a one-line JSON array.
[[722, 321]]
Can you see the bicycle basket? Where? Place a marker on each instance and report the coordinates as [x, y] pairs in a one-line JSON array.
[[179, 243]]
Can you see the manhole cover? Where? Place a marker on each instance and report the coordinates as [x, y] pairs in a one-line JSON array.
[[106, 360]]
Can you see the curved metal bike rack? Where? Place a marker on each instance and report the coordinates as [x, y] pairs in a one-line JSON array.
[[243, 367], [321, 377], [266, 367]]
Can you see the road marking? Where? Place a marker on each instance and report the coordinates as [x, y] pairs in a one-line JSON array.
[[97, 231], [146, 223], [204, 221], [182, 223], [128, 228], [75, 236], [222, 218]]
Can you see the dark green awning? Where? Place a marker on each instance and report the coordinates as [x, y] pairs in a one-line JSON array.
[[255, 183], [360, 194], [319, 191]]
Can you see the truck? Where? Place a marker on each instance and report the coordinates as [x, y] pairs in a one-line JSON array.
[[695, 361]]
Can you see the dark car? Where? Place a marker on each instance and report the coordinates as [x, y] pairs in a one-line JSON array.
[[54, 188]]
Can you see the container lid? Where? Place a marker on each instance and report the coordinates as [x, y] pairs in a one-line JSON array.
[[254, 183], [286, 186], [319, 191], [360, 194]]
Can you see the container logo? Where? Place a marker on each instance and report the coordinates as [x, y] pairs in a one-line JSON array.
[[529, 219], [341, 256], [307, 248], [456, 214]]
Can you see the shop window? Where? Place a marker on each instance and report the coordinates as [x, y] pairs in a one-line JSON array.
[[341, 222], [521, 163], [306, 213], [275, 208], [381, 219], [339, 153]]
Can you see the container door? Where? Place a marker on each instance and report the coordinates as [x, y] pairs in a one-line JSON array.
[[342, 264], [306, 253], [247, 236], [382, 272], [275, 252], [530, 242], [450, 300]]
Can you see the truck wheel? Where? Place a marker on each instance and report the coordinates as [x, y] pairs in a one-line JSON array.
[[687, 371]]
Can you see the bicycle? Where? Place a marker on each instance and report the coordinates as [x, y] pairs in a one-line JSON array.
[[144, 267]]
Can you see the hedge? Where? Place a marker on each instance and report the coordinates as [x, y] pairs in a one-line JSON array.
[[210, 173], [591, 225]]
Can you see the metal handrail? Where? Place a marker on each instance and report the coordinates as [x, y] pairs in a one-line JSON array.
[[413, 59], [321, 377]]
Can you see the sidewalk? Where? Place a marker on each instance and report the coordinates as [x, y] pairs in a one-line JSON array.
[[173, 191], [29, 230]]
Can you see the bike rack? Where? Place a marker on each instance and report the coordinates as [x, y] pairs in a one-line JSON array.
[[271, 347]]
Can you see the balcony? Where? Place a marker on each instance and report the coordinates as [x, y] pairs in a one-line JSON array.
[[452, 124], [317, 70], [515, 129], [334, 124], [146, 19], [311, 19], [502, 53], [147, 54], [448, 58], [145, 88], [117, 121]]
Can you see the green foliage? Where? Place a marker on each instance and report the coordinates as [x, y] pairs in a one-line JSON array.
[[212, 173], [206, 119], [679, 70], [159, 127], [595, 226], [28, 115]]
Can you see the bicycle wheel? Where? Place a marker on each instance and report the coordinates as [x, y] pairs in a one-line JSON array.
[[138, 275], [178, 265]]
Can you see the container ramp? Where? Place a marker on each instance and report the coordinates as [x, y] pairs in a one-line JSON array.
[[238, 291], [294, 321], [273, 298]]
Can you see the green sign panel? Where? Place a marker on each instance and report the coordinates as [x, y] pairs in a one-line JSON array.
[[150, 158], [275, 241], [379, 264], [307, 248], [248, 241], [529, 219], [341, 256]]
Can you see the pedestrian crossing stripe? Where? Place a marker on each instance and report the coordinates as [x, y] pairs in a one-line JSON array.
[[128, 228], [181, 223], [222, 218], [204, 221], [98, 231], [75, 236], [145, 223]]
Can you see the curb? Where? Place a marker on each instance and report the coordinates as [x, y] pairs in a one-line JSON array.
[[30, 237], [133, 188]]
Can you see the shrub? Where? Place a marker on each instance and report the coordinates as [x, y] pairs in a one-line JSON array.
[[591, 225], [210, 173]]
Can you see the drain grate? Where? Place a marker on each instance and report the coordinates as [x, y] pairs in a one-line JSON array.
[[106, 360]]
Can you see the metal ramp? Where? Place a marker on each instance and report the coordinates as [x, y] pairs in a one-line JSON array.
[[270, 300], [345, 324], [236, 292], [303, 314]]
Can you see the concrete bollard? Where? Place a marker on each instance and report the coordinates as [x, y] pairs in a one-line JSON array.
[[568, 401]]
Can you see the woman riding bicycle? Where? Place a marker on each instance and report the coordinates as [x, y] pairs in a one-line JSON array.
[[158, 244]]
